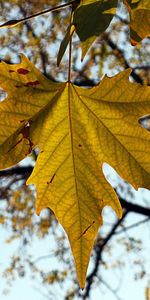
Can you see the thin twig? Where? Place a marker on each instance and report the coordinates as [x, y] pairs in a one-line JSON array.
[[114, 46], [110, 288], [133, 225], [13, 23], [99, 251], [70, 50]]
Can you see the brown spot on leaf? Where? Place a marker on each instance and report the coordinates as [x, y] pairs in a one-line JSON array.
[[22, 71], [84, 232], [48, 182], [52, 178], [42, 151], [80, 145], [32, 83], [15, 145], [25, 131], [17, 86], [11, 71], [21, 121]]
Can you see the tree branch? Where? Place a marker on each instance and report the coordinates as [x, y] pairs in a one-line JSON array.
[[131, 207], [113, 46], [99, 250], [27, 170], [19, 170]]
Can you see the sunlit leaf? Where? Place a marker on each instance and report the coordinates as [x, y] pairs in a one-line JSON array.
[[76, 130]]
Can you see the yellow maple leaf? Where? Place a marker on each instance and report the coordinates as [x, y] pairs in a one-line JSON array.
[[77, 130]]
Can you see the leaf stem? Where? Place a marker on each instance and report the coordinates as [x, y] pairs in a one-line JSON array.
[[13, 23], [70, 48], [70, 58]]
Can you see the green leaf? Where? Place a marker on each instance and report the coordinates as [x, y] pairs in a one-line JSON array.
[[64, 43], [63, 46], [91, 20]]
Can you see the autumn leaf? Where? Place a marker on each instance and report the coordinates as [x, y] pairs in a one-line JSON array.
[[23, 84], [91, 18], [140, 19], [76, 130]]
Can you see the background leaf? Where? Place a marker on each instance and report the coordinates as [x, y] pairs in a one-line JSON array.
[[140, 19], [91, 20]]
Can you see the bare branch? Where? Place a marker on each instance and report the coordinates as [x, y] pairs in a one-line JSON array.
[[113, 46], [130, 207], [99, 250], [13, 23]]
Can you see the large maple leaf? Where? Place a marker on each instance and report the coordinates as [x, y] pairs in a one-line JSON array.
[[77, 130]]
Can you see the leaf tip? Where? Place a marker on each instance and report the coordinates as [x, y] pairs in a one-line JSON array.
[[82, 283], [23, 58], [38, 211]]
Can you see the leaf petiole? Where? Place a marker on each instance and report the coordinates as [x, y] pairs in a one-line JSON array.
[[72, 29]]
